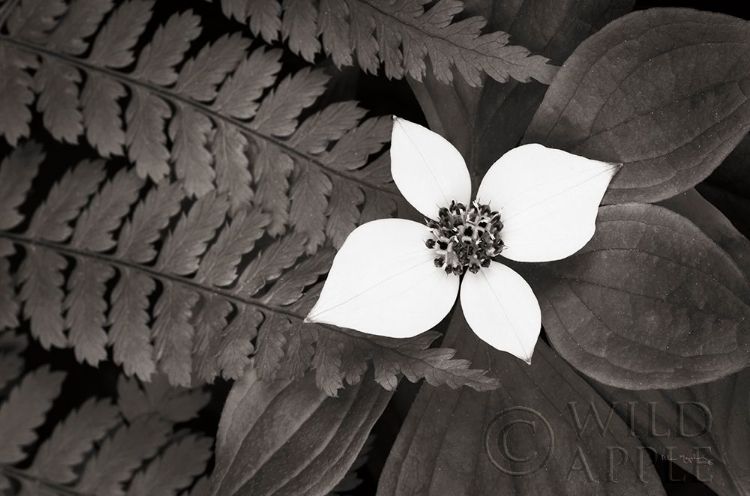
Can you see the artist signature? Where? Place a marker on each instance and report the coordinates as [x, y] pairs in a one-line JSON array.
[[694, 458]]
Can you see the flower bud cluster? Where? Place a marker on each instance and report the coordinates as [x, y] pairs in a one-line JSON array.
[[465, 238]]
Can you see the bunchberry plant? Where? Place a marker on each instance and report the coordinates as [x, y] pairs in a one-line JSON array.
[[220, 275]]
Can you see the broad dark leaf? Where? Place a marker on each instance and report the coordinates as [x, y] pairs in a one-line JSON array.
[[289, 438], [484, 123], [650, 302], [462, 442], [705, 429], [714, 224], [664, 91]]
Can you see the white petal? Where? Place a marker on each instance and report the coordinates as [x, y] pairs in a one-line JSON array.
[[502, 310], [383, 281], [427, 169], [548, 200]]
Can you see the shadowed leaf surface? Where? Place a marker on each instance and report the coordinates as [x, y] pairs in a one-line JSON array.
[[463, 442], [650, 302], [288, 438], [701, 428], [663, 91], [712, 221]]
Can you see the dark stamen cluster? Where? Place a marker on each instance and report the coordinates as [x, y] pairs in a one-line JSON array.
[[465, 238]]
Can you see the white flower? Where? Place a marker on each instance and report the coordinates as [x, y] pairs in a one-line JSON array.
[[398, 278]]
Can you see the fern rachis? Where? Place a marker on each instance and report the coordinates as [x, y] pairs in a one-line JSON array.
[[190, 291], [190, 294], [214, 118], [398, 34]]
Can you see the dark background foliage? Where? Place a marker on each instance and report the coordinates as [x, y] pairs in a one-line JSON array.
[[381, 97]]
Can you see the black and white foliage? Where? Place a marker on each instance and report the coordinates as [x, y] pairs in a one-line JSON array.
[[130, 447], [219, 164], [400, 35], [222, 119], [189, 290], [281, 420]]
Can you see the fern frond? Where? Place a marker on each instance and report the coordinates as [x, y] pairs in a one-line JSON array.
[[223, 119], [192, 295], [397, 34], [97, 448]]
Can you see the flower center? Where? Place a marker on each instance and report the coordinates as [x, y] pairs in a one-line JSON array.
[[465, 238]]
